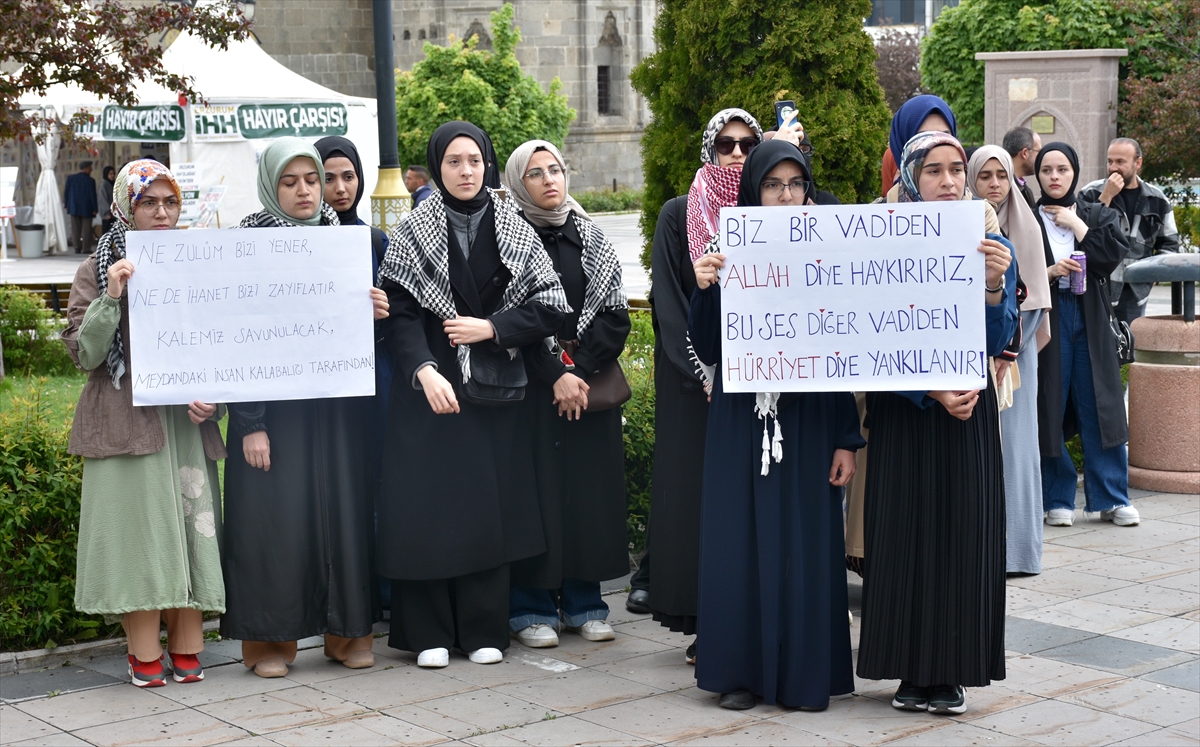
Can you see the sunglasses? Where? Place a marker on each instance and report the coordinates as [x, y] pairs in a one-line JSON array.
[[725, 145]]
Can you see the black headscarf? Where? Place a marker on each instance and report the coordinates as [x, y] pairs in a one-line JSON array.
[[439, 141], [762, 161], [331, 147], [1068, 199]]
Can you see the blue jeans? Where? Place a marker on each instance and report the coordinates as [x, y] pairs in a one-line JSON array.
[[580, 601], [1105, 471]]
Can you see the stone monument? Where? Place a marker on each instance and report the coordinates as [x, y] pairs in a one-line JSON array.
[[1066, 95]]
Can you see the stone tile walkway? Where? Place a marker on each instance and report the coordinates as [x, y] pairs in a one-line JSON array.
[[1103, 648]]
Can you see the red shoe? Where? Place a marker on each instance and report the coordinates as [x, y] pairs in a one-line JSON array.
[[147, 673], [186, 668]]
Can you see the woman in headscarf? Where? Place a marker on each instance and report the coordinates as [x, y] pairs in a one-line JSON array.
[[933, 587], [990, 175], [579, 450], [924, 113], [470, 285], [151, 506], [685, 226], [299, 525], [1079, 383], [772, 577]]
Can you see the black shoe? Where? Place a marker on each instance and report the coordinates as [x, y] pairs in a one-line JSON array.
[[738, 700], [909, 697], [690, 655], [947, 699], [638, 602]]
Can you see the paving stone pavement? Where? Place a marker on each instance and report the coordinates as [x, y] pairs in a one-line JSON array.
[[1102, 648]]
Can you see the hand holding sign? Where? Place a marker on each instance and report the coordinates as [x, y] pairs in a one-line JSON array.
[[708, 269]]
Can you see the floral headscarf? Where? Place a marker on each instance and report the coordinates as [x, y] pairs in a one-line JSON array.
[[132, 181], [913, 158]]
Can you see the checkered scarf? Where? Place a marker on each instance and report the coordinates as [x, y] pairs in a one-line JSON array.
[[602, 271], [264, 219], [418, 259]]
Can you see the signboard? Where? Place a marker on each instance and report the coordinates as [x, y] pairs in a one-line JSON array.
[[8, 191], [143, 123], [250, 314], [216, 123], [885, 297], [208, 206], [228, 122], [187, 175]]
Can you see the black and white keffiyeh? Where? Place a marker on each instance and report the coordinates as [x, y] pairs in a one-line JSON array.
[[602, 270], [418, 260], [109, 250], [265, 219]]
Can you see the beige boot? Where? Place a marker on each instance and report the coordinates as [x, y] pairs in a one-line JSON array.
[[275, 666]]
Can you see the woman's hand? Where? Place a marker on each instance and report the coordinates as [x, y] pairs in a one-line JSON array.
[[570, 394], [843, 467], [118, 274], [1062, 267], [1002, 366], [791, 131], [256, 448], [997, 258], [1067, 218], [438, 391], [380, 302], [466, 330], [199, 411], [708, 269], [958, 404]]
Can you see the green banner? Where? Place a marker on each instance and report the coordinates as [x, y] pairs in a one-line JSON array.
[[257, 121], [143, 123]]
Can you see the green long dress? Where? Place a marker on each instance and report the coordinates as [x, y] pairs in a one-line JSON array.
[[148, 525]]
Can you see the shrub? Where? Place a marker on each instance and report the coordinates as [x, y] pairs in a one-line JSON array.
[[898, 65], [39, 523], [638, 417], [29, 336], [487, 88], [1187, 220], [712, 55], [604, 201]]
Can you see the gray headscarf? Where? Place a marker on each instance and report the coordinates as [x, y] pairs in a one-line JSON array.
[[514, 177], [708, 144]]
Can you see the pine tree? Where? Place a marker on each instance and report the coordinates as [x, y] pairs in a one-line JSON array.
[[716, 54]]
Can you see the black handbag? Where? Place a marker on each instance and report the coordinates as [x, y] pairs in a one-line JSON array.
[[1121, 332], [497, 378]]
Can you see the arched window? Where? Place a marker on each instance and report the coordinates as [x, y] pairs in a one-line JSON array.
[[477, 29], [610, 55], [407, 35]]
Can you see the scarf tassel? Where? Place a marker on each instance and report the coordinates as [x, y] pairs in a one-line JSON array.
[[766, 404]]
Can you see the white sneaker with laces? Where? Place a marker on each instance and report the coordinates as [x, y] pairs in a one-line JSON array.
[[433, 658], [486, 656], [595, 630], [1060, 517], [537, 636], [1122, 516]]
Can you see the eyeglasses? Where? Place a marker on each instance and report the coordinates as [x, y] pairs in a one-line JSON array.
[[534, 175], [725, 145], [150, 207], [775, 189]]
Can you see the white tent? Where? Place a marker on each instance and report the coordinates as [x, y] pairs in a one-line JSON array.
[[247, 77]]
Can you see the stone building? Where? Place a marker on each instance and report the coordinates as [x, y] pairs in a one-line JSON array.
[[590, 45]]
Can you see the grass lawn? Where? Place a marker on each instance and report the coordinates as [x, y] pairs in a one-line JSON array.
[[58, 393]]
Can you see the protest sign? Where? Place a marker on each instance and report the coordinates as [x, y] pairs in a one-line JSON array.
[[250, 314], [885, 297]]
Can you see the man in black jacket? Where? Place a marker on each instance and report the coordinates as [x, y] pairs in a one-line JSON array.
[[1023, 144], [1146, 218]]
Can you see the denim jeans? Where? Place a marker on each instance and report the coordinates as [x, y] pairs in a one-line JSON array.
[[1105, 471], [579, 600]]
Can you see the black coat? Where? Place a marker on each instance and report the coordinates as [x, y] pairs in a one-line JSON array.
[[681, 420], [459, 492], [580, 464], [1105, 246]]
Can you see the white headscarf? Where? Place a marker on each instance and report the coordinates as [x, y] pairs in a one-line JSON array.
[[514, 178]]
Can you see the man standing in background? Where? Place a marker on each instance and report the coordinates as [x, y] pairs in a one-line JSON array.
[[79, 197], [1023, 144], [416, 180], [1146, 218]]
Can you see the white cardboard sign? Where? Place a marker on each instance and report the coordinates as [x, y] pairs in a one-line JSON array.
[[250, 314], [886, 297]]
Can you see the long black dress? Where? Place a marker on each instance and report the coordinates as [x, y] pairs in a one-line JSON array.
[[934, 528], [580, 464], [458, 501], [680, 424], [772, 560]]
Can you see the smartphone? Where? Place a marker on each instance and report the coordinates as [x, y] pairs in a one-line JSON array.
[[782, 110]]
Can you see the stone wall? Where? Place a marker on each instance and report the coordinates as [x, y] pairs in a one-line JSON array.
[[327, 41]]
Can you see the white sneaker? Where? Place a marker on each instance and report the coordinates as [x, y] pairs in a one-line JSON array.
[[594, 630], [537, 636], [1123, 516], [433, 658], [1060, 517], [486, 656]]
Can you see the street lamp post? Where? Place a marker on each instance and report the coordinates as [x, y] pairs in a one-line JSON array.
[[390, 200]]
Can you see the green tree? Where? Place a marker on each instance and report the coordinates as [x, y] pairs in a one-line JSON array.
[[949, 67], [713, 55], [485, 88]]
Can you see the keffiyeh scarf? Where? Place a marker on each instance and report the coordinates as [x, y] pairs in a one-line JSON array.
[[264, 219], [418, 260], [602, 270], [715, 186]]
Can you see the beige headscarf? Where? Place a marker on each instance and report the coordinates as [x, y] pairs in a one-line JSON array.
[[1020, 226], [514, 179]]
